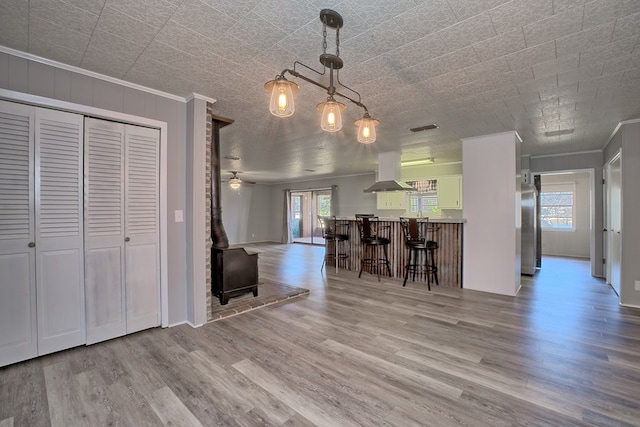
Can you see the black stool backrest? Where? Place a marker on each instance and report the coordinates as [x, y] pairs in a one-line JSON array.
[[411, 228], [332, 227], [364, 225], [328, 225]]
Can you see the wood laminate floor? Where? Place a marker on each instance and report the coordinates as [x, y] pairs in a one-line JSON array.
[[357, 352]]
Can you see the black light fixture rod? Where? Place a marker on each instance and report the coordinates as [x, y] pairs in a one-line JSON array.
[[332, 89], [294, 73]]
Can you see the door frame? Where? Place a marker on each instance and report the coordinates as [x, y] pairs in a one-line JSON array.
[[100, 113], [312, 205], [608, 247], [592, 209]]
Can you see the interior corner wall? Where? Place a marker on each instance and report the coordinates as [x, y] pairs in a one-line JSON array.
[[580, 161], [492, 208], [630, 164], [196, 212], [34, 78]]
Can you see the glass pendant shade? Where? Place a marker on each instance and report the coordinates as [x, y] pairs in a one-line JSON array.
[[234, 183], [331, 115], [367, 129], [281, 103]]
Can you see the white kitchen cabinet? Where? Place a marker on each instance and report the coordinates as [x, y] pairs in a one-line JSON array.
[[122, 225], [392, 200], [450, 192], [41, 232]]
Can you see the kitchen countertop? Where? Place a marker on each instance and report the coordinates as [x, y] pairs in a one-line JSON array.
[[441, 220]]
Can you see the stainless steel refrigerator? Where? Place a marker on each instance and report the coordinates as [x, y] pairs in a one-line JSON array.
[[529, 229]]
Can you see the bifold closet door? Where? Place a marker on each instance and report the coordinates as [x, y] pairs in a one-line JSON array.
[[59, 233], [104, 230], [18, 324], [142, 252], [41, 237], [121, 229]]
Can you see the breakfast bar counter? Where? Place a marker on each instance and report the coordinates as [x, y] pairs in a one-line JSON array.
[[448, 234]]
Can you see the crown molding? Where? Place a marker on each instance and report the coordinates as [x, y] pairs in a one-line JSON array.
[[92, 74], [201, 98]]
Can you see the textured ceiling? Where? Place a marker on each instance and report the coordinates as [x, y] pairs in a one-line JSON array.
[[474, 67]]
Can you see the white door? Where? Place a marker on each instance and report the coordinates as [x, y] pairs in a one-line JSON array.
[[614, 226], [59, 237], [142, 228], [18, 327], [104, 230], [121, 229]]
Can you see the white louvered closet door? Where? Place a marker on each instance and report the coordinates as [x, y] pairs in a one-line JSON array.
[[18, 327], [59, 236], [142, 228], [104, 230], [121, 229]]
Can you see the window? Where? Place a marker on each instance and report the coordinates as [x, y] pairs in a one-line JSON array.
[[296, 207], [425, 200], [427, 204], [324, 204], [557, 203]]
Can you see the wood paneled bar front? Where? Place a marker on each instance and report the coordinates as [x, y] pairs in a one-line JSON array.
[[447, 232]]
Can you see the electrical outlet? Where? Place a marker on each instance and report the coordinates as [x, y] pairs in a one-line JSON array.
[[637, 285], [179, 217]]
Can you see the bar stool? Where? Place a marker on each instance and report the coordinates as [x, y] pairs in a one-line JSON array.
[[371, 240], [420, 248], [337, 232]]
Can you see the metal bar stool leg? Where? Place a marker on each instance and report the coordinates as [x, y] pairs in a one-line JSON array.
[[386, 259], [407, 268], [434, 267]]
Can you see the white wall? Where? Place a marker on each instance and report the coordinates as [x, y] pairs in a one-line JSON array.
[[628, 140], [247, 213], [492, 233], [571, 243], [34, 78], [431, 170]]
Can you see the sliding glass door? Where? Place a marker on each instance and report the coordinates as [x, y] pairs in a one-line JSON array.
[[306, 207]]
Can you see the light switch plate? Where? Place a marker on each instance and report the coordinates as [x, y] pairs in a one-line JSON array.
[[179, 217], [637, 285]]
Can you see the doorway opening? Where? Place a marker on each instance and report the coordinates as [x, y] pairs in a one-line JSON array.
[[306, 207], [613, 224], [568, 216]]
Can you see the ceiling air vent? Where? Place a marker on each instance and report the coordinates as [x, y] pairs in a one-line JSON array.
[[558, 132], [427, 127]]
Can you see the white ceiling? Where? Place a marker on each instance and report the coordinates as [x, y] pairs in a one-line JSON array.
[[474, 67]]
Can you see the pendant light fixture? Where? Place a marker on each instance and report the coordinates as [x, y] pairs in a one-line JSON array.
[[367, 129], [282, 90], [234, 182]]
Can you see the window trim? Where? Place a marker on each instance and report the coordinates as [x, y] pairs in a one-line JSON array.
[[560, 187]]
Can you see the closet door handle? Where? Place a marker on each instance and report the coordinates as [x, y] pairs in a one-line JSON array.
[[32, 244], [126, 239]]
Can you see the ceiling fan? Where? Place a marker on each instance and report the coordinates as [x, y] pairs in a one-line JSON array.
[[234, 181]]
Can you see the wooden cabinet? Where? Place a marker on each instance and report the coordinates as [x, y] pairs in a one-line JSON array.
[[392, 200], [450, 192], [41, 232]]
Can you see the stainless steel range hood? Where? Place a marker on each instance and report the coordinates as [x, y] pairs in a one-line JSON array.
[[389, 174]]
